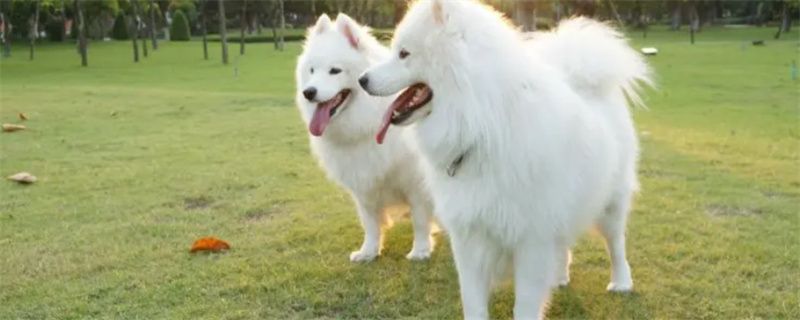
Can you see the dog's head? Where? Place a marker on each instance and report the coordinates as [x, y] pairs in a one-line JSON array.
[[427, 49], [334, 55]]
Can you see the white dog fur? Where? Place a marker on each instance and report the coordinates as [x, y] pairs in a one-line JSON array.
[[376, 177], [549, 147]]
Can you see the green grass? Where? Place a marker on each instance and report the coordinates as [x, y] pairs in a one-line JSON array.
[[136, 161]]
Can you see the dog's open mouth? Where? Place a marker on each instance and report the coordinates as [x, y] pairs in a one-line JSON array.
[[412, 99], [325, 111]]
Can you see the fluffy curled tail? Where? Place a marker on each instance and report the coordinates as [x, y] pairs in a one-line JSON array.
[[595, 58]]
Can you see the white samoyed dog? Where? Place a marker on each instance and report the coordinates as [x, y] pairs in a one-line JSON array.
[[342, 120], [525, 143]]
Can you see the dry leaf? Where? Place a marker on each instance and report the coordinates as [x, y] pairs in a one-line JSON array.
[[209, 244], [8, 127], [23, 177], [23, 116]]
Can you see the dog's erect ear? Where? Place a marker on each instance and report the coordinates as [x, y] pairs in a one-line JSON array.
[[323, 24], [349, 28]]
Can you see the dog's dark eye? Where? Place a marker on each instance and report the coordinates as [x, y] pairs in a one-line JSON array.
[[403, 53], [312, 70], [335, 70]]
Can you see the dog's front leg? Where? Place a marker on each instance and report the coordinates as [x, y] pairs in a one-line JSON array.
[[371, 215], [534, 278], [474, 274], [422, 219]]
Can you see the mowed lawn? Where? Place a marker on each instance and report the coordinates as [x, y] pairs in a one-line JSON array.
[[136, 161]]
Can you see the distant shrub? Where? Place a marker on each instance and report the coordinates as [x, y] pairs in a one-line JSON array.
[[55, 29], [120, 30], [179, 30]]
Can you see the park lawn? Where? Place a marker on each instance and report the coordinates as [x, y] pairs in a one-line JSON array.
[[135, 161]]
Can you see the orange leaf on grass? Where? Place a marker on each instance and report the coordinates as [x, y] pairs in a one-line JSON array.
[[211, 244]]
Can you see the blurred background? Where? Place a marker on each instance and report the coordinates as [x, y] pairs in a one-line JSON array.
[[284, 20]]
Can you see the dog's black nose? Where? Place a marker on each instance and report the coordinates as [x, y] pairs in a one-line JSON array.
[[310, 93], [363, 81]]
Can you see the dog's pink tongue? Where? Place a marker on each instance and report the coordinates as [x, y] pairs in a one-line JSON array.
[[387, 121], [402, 100], [320, 119]]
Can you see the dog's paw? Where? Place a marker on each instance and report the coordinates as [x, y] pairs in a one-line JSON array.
[[418, 255], [620, 287], [363, 256]]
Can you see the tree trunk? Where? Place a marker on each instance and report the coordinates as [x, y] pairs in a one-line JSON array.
[[642, 19], [338, 5], [34, 28], [222, 32], [152, 29], [135, 30], [313, 10], [134, 38], [63, 21], [615, 13], [282, 22], [243, 25], [694, 20], [525, 14], [82, 41], [203, 28], [710, 15], [368, 6], [760, 14], [273, 25], [785, 21], [557, 10], [675, 18]]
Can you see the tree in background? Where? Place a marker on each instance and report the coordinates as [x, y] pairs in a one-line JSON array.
[[134, 31], [203, 27], [222, 31], [120, 29], [282, 23], [33, 33], [99, 15], [242, 25], [55, 14], [82, 41], [179, 30], [786, 7], [151, 27], [525, 14]]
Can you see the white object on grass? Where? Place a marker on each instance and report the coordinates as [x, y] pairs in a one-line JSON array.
[[649, 51]]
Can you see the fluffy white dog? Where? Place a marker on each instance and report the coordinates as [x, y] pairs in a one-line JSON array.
[[525, 143], [342, 120]]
